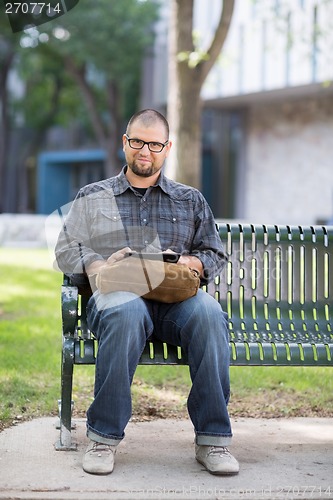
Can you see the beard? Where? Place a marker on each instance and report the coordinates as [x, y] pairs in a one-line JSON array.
[[143, 171]]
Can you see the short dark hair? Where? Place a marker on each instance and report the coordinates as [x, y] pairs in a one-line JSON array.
[[148, 117]]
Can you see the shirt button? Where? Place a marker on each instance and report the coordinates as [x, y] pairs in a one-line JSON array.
[[174, 219], [144, 220]]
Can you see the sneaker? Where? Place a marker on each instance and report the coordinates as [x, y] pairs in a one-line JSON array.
[[99, 458], [217, 459]]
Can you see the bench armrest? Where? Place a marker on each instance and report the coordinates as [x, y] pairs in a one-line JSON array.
[[69, 308]]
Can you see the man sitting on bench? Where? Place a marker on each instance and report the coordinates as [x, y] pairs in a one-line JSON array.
[[142, 210]]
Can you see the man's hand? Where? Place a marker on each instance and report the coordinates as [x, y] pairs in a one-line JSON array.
[[192, 262], [119, 255], [95, 267]]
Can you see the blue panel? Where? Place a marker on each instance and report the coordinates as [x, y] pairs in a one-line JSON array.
[[54, 176], [73, 156], [53, 189]]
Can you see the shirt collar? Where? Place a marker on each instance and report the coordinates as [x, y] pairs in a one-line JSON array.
[[122, 184]]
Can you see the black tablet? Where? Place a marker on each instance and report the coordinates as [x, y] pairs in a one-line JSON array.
[[167, 257]]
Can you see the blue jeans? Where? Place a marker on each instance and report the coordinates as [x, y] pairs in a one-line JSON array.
[[122, 322]]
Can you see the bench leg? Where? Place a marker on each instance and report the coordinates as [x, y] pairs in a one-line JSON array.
[[65, 404]]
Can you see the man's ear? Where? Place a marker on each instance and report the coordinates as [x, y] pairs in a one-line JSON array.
[[168, 147], [124, 141]]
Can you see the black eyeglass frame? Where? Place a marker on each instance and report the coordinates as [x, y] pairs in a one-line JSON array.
[[129, 139]]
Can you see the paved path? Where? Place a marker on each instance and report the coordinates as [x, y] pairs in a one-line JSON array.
[[280, 459]]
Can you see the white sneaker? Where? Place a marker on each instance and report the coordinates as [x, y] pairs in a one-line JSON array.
[[99, 458], [217, 459]]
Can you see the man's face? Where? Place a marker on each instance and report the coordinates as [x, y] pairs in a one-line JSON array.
[[143, 162]]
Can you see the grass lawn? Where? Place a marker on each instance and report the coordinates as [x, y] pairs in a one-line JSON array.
[[30, 347]]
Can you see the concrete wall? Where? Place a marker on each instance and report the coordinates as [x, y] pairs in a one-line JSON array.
[[35, 231], [290, 161]]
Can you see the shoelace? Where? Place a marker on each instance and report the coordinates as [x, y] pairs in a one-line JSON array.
[[218, 450], [100, 448]]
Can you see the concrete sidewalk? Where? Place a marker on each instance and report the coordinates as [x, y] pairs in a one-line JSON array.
[[279, 459]]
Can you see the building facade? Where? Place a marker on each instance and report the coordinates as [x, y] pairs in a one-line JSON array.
[[267, 109]]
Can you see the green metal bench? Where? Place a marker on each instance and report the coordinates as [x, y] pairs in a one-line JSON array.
[[277, 289]]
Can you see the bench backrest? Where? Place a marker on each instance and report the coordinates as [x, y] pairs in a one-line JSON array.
[[277, 287]]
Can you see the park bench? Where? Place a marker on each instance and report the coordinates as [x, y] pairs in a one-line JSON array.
[[277, 288]]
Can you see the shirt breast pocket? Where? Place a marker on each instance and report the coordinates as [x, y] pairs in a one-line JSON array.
[[109, 230], [176, 230]]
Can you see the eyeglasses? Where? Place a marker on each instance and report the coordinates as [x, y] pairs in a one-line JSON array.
[[154, 147]]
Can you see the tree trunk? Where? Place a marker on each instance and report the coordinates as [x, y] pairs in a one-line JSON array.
[[32, 147], [184, 105], [107, 136], [185, 83], [4, 128], [113, 140]]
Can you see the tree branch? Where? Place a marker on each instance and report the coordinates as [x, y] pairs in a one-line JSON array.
[[78, 74], [184, 20], [219, 38]]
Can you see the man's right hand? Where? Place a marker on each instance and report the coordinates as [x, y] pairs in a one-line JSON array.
[[119, 255], [95, 267]]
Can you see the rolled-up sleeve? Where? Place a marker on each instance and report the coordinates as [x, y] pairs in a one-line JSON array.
[[207, 245]]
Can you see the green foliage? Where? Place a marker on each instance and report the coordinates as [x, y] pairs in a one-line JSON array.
[[6, 30], [193, 59], [107, 38], [47, 86], [110, 33]]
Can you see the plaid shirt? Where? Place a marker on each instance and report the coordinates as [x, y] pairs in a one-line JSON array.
[[109, 215]]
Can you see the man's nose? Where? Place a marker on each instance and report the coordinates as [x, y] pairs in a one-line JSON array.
[[145, 148]]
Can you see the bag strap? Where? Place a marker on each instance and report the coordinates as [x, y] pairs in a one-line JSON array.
[[142, 260]]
